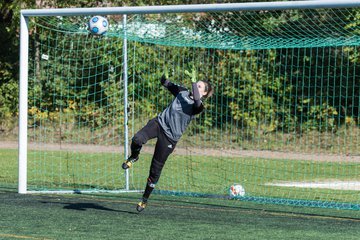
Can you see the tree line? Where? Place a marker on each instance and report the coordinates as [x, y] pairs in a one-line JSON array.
[[255, 87]]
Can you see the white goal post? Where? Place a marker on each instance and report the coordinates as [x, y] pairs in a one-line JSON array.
[[24, 50]]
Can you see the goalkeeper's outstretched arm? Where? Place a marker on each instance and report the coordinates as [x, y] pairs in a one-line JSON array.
[[173, 88], [198, 106]]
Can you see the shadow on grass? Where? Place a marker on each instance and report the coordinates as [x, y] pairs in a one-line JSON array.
[[81, 204], [271, 209], [86, 206]]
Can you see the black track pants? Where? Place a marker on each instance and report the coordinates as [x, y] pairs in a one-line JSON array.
[[163, 148]]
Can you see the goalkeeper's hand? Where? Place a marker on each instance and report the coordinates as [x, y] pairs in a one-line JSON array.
[[192, 75], [165, 76]]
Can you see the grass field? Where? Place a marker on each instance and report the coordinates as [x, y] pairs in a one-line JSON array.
[[187, 174], [113, 216]]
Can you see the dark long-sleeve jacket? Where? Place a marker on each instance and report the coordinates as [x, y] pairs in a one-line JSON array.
[[178, 114]]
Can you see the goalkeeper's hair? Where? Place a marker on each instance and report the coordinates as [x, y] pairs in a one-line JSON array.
[[208, 89]]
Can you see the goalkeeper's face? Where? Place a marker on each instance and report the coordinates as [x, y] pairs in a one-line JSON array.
[[202, 88]]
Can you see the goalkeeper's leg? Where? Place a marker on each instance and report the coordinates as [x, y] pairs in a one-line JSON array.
[[164, 147], [149, 131], [148, 189], [135, 148]]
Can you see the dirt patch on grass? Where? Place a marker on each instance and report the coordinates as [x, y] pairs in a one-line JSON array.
[[188, 151]]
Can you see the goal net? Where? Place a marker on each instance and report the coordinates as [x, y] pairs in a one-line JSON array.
[[283, 122]]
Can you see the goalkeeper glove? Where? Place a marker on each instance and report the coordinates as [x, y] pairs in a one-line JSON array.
[[192, 75], [164, 77]]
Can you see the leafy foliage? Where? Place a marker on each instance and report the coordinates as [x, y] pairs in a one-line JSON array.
[[259, 90]]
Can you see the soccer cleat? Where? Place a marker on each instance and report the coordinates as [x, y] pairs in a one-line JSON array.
[[141, 205], [129, 162]]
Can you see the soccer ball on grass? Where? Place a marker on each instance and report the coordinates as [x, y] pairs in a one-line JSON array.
[[98, 25], [236, 190]]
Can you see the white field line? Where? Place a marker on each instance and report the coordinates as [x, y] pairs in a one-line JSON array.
[[336, 185]]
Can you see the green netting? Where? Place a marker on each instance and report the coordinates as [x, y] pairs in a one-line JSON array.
[[237, 30], [283, 123]]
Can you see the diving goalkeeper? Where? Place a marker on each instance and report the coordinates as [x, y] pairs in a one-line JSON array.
[[168, 127]]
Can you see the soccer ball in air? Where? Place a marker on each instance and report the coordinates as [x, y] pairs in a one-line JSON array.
[[98, 25], [237, 190]]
